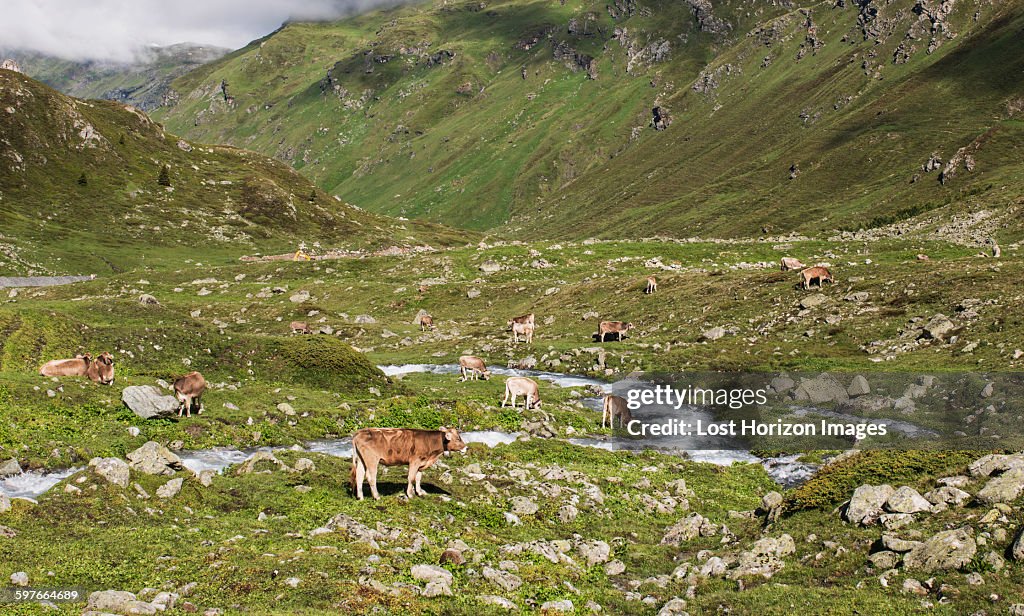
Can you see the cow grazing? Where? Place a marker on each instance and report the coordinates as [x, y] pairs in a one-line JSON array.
[[426, 321], [789, 263], [652, 285], [419, 449], [300, 327], [473, 366], [522, 329], [615, 406], [522, 386], [821, 274], [613, 327], [189, 392]]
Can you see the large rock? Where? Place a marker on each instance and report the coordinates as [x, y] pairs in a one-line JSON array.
[[118, 602], [1005, 488], [938, 328], [432, 573], [170, 489], [946, 551], [821, 389], [674, 607], [562, 605], [489, 267], [995, 462], [9, 468], [154, 459], [858, 387], [907, 500], [594, 552], [114, 470], [250, 464], [148, 402], [948, 495], [504, 579], [867, 502]]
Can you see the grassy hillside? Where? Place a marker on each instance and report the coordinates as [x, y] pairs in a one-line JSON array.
[[80, 192], [143, 83], [541, 113]]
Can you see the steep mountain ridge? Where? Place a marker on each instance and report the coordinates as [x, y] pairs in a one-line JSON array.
[[143, 83], [94, 186], [634, 118]]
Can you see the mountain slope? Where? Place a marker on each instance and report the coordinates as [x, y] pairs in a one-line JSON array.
[[143, 83], [476, 114], [80, 192]]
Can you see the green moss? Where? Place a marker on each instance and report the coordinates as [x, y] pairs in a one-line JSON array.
[[325, 362]]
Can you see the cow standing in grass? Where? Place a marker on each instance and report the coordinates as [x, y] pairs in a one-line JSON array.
[[652, 285], [189, 391], [613, 327], [809, 275], [420, 449], [522, 386], [615, 406]]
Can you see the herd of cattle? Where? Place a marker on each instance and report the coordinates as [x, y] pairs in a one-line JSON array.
[[419, 449]]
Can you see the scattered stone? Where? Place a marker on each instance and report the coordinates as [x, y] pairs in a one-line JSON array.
[[497, 601], [858, 387], [432, 573], [301, 296], [249, 466], [714, 333], [170, 489], [821, 389], [885, 559], [148, 300], [947, 494], [19, 579], [1017, 549], [674, 607], [503, 579], [154, 459], [563, 605], [490, 266], [303, 465], [938, 328], [114, 470], [522, 505], [764, 558], [1005, 488], [118, 602]]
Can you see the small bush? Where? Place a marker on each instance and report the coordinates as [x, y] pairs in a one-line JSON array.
[[835, 483]]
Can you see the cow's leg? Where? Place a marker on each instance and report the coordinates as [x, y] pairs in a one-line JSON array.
[[419, 478], [506, 398], [360, 475], [410, 485], [604, 414], [602, 336], [371, 476]]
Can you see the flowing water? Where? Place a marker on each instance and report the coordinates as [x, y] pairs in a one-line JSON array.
[[784, 470]]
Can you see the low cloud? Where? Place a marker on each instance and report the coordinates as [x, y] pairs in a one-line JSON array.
[[120, 30]]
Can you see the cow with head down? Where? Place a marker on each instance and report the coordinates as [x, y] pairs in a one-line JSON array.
[[521, 386], [372, 447], [613, 327], [189, 391], [99, 369]]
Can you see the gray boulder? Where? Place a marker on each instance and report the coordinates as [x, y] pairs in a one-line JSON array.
[[885, 559], [432, 574], [118, 602], [688, 528], [995, 462], [907, 500], [563, 605], [9, 468], [858, 387], [490, 266], [114, 470], [938, 328], [867, 502], [674, 607], [154, 459], [821, 389], [506, 580], [594, 552], [148, 402], [948, 495], [946, 551], [1005, 488], [522, 505], [170, 489]]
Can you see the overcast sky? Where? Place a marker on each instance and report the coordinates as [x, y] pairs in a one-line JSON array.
[[117, 29]]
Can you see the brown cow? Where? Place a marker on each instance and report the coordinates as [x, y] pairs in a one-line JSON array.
[[613, 327], [525, 318], [615, 406], [389, 446], [522, 329], [789, 263], [520, 385], [473, 366], [101, 369], [189, 391], [300, 327], [652, 285], [426, 321], [821, 274], [79, 366]]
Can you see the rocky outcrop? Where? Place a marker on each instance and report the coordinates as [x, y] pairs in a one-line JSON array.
[[10, 65], [706, 19], [114, 470], [867, 503], [764, 558], [573, 59]]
